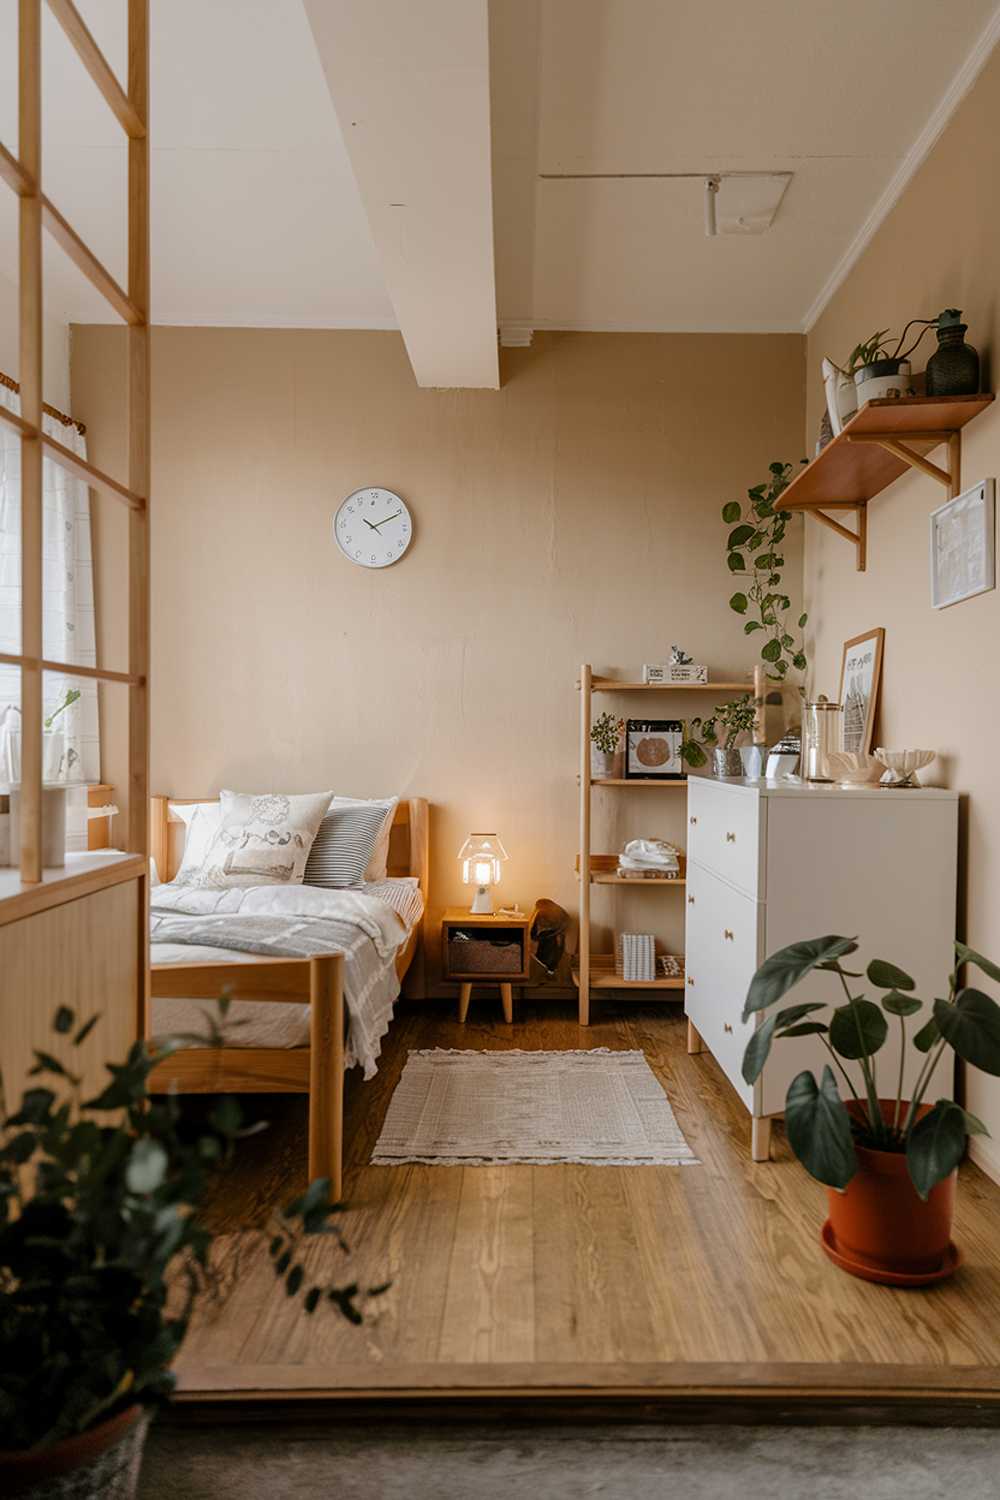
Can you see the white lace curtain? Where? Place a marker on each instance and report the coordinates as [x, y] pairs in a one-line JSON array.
[[72, 745]]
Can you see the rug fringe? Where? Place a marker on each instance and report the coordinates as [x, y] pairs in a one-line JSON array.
[[538, 1052], [527, 1161]]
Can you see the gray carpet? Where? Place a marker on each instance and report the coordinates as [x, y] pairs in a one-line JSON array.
[[571, 1463]]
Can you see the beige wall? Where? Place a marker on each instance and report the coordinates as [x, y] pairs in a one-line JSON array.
[[573, 515], [55, 353], [940, 247]]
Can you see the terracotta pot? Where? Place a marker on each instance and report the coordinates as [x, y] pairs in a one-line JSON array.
[[102, 1463], [881, 1223]]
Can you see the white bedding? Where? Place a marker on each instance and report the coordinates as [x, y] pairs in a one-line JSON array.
[[377, 918]]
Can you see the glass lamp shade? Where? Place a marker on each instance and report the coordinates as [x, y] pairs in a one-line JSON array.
[[482, 855]]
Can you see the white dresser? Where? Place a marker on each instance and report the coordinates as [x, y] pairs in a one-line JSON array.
[[771, 863]]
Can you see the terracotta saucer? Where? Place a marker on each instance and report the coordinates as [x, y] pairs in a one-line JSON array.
[[950, 1263]]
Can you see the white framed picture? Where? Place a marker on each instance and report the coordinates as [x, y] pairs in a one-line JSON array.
[[963, 546]]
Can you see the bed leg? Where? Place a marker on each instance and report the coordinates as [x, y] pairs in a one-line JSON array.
[[326, 1072]]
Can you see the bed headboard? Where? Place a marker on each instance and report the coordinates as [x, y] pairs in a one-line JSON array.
[[409, 841]]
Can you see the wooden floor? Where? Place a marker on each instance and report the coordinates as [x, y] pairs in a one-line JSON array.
[[693, 1280]]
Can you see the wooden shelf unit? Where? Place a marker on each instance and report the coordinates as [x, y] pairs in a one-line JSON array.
[[604, 871], [877, 446], [603, 977], [597, 971]]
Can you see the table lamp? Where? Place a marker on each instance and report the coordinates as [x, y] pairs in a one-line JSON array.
[[481, 855]]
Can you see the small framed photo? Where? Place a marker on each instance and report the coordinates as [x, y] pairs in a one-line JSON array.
[[963, 546], [653, 749], [652, 672], [860, 676]]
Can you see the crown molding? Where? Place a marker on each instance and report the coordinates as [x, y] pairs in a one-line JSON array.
[[909, 166]]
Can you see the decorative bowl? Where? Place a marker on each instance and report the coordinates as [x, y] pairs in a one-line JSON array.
[[902, 765], [850, 768]]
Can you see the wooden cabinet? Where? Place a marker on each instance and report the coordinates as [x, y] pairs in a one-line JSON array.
[[480, 948], [771, 864]]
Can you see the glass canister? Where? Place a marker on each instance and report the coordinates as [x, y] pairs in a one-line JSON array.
[[822, 731]]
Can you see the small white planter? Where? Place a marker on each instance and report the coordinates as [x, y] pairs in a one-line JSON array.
[[605, 765]]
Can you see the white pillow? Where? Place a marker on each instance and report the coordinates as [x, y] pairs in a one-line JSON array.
[[261, 840], [201, 823], [376, 867]]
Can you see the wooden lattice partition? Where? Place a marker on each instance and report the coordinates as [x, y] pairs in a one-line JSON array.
[[23, 173]]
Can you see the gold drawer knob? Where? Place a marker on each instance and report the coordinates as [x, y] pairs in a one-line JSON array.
[[730, 838], [690, 979], [727, 934], [726, 1027]]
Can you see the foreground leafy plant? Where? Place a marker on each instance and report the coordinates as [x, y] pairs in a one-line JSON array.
[[754, 547], [102, 1256], [822, 1130]]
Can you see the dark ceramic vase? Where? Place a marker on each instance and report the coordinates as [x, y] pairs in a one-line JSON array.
[[953, 369]]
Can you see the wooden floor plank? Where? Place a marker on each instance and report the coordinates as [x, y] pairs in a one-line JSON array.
[[509, 1276]]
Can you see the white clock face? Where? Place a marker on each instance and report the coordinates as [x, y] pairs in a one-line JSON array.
[[373, 527]]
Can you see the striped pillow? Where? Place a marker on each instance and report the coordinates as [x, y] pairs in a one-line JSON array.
[[344, 844]]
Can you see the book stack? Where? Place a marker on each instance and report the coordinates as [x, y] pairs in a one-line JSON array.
[[635, 956]]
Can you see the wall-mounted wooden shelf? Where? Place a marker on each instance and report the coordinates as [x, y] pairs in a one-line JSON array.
[[877, 445], [610, 685]]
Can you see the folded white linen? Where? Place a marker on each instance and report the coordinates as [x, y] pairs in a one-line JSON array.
[[649, 854]]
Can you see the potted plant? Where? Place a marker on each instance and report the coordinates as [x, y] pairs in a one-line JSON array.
[[102, 1262], [881, 367], [607, 757], [890, 1162], [729, 720]]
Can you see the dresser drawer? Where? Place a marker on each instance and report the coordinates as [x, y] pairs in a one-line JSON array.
[[724, 833], [723, 937]]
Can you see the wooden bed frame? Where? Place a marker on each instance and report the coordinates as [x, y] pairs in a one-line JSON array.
[[316, 1070]]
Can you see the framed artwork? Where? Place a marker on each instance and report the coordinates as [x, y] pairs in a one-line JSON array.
[[860, 676], [653, 749], [963, 546]]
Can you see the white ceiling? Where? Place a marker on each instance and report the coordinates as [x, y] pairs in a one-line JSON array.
[[258, 218]]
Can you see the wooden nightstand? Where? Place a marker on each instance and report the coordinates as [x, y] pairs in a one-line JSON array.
[[484, 950]]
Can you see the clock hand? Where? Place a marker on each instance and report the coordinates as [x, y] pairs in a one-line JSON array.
[[369, 524], [379, 524]]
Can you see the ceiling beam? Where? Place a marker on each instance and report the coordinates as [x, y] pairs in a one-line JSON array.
[[411, 87]]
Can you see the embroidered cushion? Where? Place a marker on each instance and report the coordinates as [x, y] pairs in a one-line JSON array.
[[261, 840]]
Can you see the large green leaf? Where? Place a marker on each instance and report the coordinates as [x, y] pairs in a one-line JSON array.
[[755, 1054], [736, 562], [966, 955], [751, 626], [886, 976], [739, 602], [731, 512], [819, 1131], [771, 651], [901, 1005], [779, 973], [808, 1028], [936, 1145], [972, 1027], [858, 1029], [739, 536], [928, 1034]]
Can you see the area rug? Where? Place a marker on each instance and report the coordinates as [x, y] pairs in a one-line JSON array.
[[598, 1107]]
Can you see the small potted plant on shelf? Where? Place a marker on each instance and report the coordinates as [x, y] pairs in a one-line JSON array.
[[607, 755], [102, 1262], [728, 721], [890, 1162], [881, 366]]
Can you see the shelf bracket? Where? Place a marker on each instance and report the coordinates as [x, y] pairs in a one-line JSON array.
[[859, 537], [951, 477]]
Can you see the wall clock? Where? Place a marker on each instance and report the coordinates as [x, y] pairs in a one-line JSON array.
[[373, 527]]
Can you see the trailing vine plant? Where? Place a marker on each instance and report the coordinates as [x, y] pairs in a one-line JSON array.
[[754, 547]]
